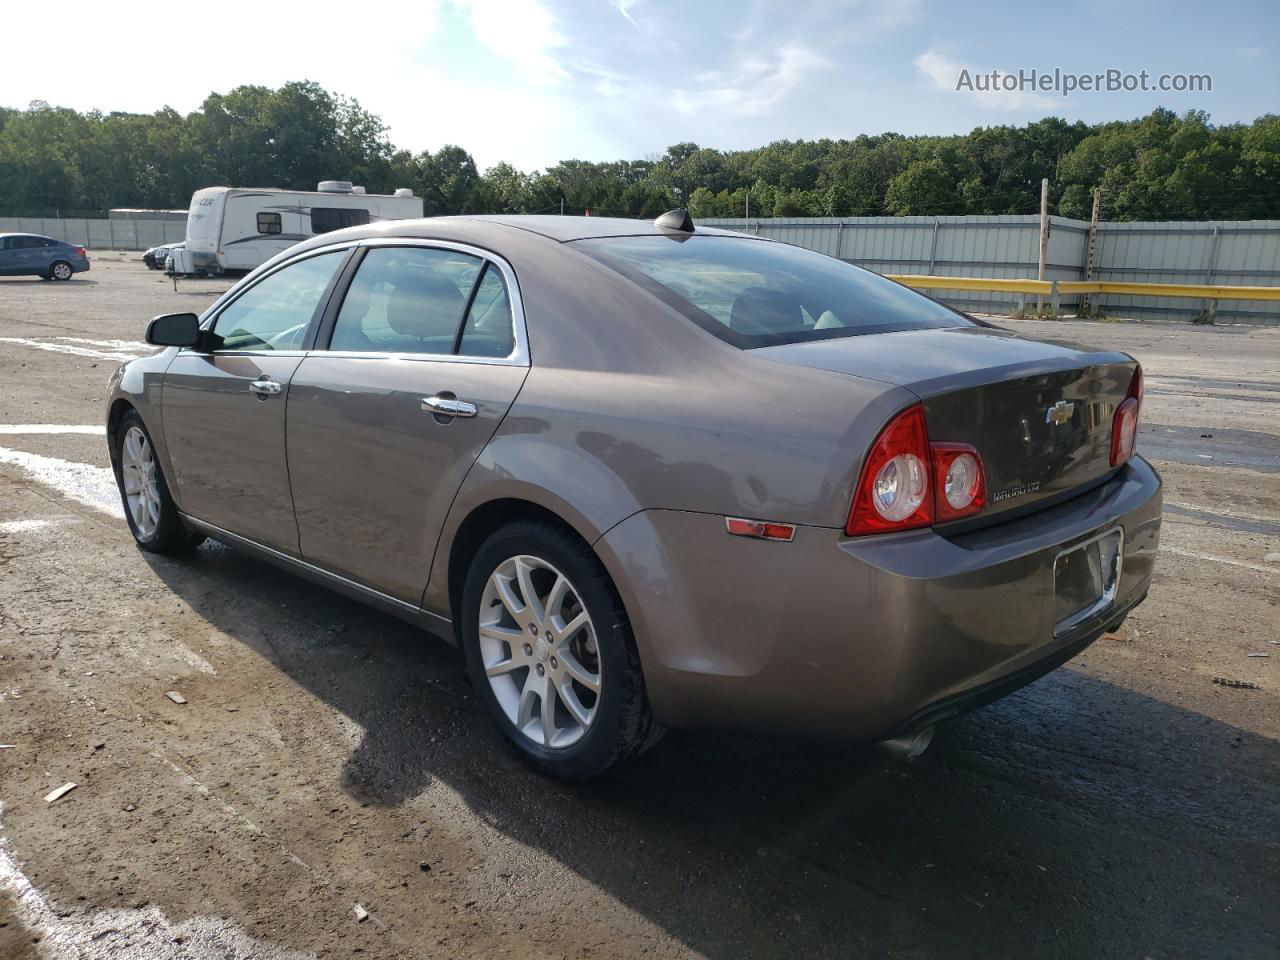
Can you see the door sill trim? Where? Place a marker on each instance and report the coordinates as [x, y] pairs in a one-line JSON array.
[[431, 622]]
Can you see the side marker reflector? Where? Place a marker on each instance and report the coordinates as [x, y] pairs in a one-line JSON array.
[[760, 529]]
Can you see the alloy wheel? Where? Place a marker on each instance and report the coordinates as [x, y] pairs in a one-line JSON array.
[[61, 271], [138, 474], [539, 650]]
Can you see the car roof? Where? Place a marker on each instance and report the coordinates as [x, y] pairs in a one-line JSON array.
[[566, 229], [40, 235]]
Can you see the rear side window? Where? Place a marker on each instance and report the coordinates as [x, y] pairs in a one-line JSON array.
[[488, 331], [406, 300], [325, 219], [269, 223], [754, 293]]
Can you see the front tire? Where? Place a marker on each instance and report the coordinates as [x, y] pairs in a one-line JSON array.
[[550, 653], [148, 506], [60, 270]]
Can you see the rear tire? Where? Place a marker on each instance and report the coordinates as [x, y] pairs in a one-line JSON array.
[[537, 649], [60, 270], [148, 506]]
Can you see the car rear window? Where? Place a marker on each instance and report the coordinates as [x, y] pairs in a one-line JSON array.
[[754, 293]]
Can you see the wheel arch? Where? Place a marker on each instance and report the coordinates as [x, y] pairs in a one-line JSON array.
[[119, 407], [478, 525]]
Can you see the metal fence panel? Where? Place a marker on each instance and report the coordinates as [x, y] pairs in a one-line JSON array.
[[1229, 252], [100, 234]]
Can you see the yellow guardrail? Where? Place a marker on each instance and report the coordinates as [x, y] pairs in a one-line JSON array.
[[1052, 288]]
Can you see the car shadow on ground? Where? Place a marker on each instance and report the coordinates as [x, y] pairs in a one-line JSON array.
[[1074, 818], [73, 282]]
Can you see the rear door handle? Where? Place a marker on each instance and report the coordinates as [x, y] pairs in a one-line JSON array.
[[265, 388], [448, 407]]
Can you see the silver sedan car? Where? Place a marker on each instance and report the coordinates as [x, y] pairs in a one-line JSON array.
[[649, 475]]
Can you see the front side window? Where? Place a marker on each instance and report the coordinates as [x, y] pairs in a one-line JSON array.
[[274, 313], [406, 300], [754, 293], [325, 219], [269, 223]]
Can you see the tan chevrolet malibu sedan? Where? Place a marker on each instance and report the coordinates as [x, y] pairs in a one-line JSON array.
[[649, 475]]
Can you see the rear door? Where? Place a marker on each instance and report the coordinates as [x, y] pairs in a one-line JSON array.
[[223, 406], [47, 251], [426, 353]]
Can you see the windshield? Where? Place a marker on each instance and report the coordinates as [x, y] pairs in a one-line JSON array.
[[754, 293]]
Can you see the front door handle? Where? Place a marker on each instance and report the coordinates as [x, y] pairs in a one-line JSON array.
[[448, 406], [265, 388]]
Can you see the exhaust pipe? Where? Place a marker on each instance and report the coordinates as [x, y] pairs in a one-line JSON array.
[[908, 746]]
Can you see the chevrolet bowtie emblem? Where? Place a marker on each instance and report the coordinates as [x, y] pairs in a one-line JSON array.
[[1060, 412]]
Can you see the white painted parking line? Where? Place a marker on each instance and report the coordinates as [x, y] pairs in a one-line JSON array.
[[1212, 558], [1235, 514], [74, 348], [91, 429], [83, 482], [33, 525], [135, 345], [132, 934]]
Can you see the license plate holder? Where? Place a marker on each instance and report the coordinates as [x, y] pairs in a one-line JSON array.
[[1086, 578]]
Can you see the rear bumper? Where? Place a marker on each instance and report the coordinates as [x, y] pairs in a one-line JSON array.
[[866, 637]]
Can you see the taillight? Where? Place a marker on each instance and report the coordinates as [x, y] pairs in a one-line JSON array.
[[960, 487], [81, 252], [893, 491], [1124, 427], [907, 482]]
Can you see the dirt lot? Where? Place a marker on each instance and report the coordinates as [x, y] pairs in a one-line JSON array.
[[1123, 806]]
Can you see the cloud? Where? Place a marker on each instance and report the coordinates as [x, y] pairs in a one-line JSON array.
[[521, 32], [625, 7], [944, 74], [754, 87]]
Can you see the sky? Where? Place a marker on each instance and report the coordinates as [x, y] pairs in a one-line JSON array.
[[533, 82]]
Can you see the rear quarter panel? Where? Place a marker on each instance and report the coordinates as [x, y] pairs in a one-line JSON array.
[[630, 407]]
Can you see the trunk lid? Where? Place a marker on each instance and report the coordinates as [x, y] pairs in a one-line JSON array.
[[1039, 413]]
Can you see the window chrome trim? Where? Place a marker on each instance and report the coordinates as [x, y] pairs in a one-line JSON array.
[[519, 357], [210, 315]]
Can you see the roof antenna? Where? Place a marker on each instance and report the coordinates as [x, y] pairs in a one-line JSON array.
[[677, 219]]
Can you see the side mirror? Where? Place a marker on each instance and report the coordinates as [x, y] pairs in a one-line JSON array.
[[174, 330]]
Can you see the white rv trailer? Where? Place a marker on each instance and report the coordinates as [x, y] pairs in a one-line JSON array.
[[238, 228]]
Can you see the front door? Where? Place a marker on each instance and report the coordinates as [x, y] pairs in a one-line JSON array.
[[383, 426], [223, 407], [19, 256]]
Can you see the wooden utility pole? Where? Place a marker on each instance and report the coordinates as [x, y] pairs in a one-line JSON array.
[[1044, 239], [1085, 307]]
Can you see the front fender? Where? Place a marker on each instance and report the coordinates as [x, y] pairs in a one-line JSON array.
[[139, 384]]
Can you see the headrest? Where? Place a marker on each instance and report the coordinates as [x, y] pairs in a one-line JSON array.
[[424, 305], [761, 310]]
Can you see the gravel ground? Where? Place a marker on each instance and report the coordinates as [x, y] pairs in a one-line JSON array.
[[327, 756]]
